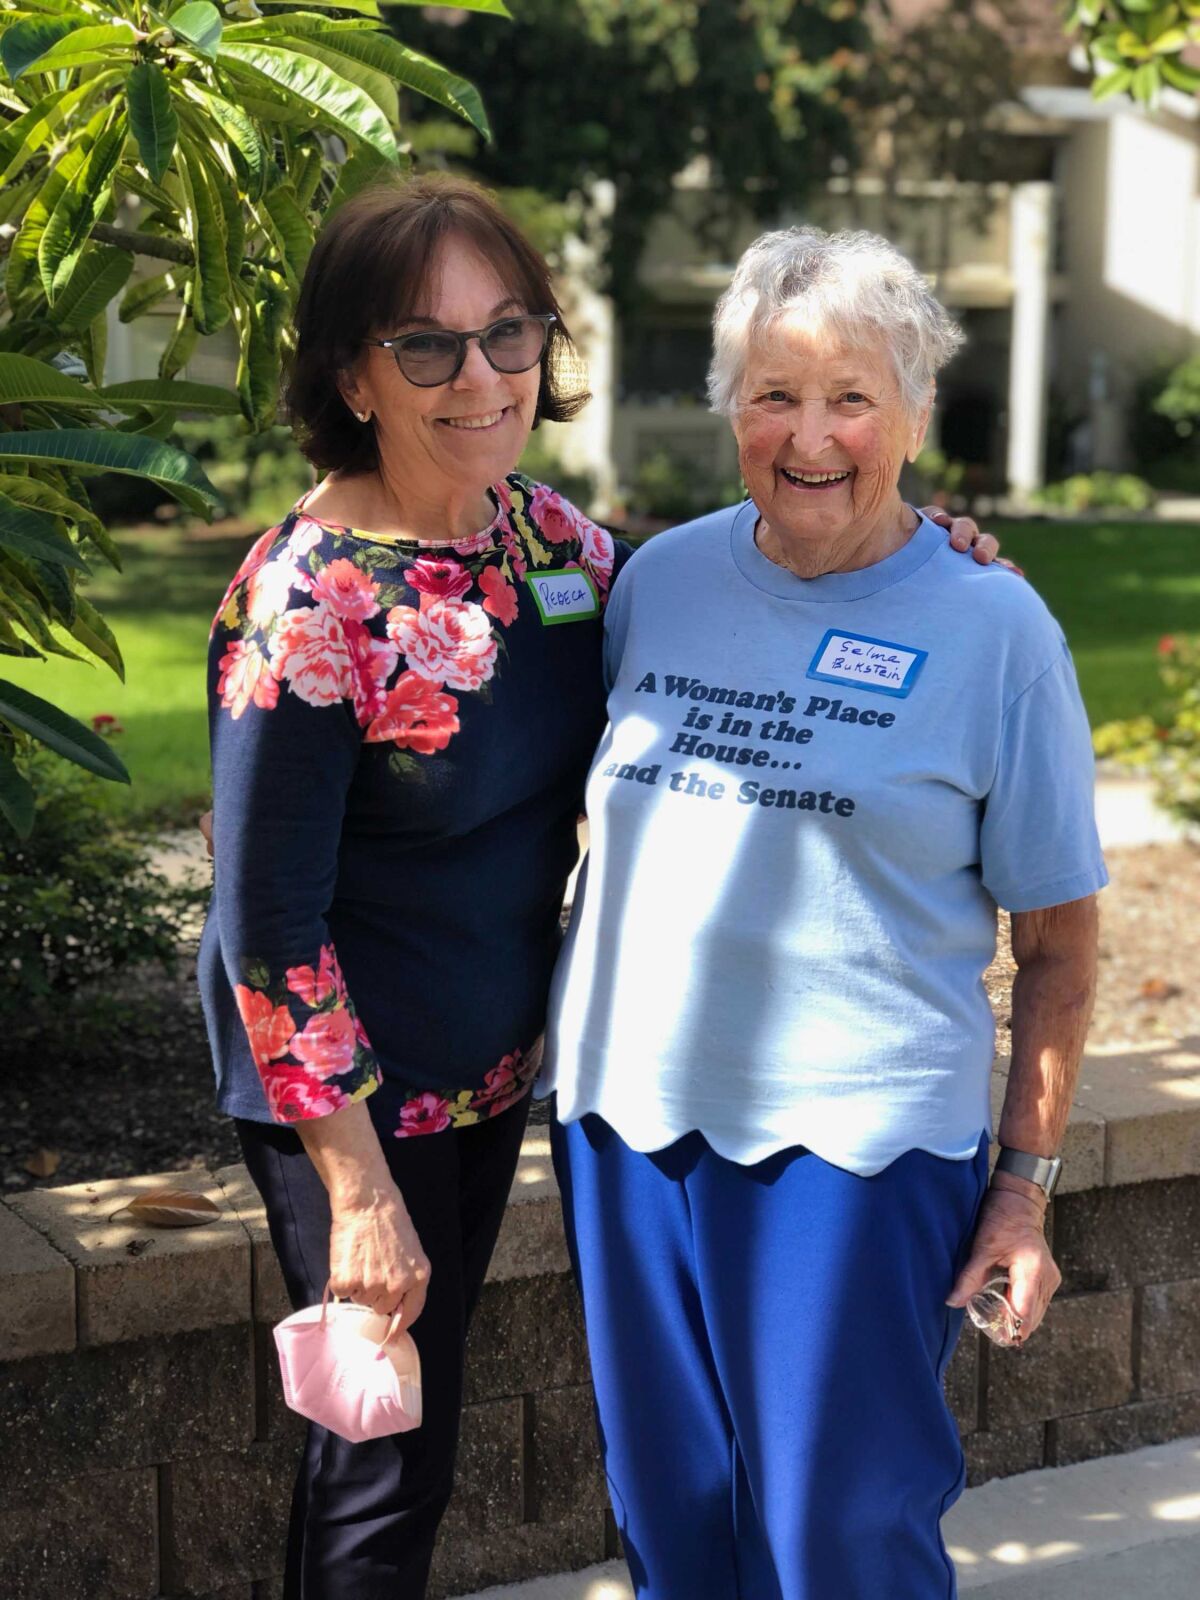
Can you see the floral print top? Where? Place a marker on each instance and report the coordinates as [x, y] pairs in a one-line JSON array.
[[400, 737]]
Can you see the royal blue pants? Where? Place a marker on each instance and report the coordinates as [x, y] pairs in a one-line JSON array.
[[768, 1344]]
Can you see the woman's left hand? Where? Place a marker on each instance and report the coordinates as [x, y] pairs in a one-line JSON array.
[[1010, 1237], [965, 535]]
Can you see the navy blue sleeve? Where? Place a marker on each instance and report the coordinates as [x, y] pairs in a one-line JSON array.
[[286, 668]]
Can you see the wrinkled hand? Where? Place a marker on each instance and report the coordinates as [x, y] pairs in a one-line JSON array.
[[206, 828], [965, 535], [1010, 1238], [376, 1259]]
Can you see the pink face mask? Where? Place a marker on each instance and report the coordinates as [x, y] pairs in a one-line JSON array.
[[350, 1369]]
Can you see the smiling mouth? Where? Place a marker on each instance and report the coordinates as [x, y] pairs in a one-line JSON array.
[[814, 480], [475, 424]]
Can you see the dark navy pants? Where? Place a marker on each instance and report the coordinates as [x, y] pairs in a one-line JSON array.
[[768, 1344], [365, 1516]]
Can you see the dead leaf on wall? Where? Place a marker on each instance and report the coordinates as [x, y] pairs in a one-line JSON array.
[[170, 1208], [43, 1163]]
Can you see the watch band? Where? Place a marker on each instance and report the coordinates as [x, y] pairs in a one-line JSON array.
[[1042, 1170]]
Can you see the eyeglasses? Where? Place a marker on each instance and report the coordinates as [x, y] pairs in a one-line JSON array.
[[436, 355]]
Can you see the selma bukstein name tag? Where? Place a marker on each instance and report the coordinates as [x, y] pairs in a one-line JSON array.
[[564, 596], [867, 663]]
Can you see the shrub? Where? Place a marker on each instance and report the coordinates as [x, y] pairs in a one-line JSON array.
[[79, 899], [539, 462], [1165, 426], [1167, 744], [1096, 491], [675, 488]]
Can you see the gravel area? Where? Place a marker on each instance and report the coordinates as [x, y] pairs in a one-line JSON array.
[[123, 1086]]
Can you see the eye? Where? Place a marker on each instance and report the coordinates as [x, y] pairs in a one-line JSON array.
[[427, 344], [777, 396], [854, 398], [511, 331]]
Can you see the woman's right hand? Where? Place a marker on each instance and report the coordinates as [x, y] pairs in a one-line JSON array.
[[375, 1256]]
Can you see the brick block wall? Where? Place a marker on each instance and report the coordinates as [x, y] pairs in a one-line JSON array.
[[145, 1450]]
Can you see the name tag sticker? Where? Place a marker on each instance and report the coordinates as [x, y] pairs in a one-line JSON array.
[[564, 596], [867, 663]]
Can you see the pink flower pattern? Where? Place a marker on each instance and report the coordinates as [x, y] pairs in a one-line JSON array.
[[441, 580], [347, 590], [394, 665], [446, 641]]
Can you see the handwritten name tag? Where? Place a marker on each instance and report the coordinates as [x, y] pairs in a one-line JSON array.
[[867, 663], [564, 596]]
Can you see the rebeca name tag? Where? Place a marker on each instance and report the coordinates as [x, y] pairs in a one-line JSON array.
[[564, 596]]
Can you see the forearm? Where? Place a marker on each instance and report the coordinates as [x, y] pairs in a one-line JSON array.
[[346, 1152], [1055, 951]]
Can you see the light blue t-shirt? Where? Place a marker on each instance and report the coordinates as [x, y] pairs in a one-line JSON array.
[[811, 798]]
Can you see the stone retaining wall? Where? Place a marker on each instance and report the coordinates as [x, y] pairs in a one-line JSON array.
[[145, 1450]]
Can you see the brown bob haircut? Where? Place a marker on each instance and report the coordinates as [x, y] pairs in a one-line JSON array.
[[367, 276]]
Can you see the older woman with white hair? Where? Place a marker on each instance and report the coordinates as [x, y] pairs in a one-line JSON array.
[[834, 750]]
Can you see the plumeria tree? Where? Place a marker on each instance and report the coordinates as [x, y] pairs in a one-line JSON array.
[[1137, 46], [175, 157]]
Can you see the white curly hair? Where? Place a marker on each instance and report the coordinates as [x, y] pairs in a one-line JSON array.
[[855, 285]]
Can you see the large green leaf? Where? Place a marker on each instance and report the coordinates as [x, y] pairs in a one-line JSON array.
[[41, 496], [78, 210], [306, 170], [147, 292], [21, 278], [24, 605], [16, 797], [152, 117], [362, 168], [93, 347], [178, 349], [377, 84], [23, 380], [258, 355], [291, 231], [101, 272], [492, 8], [91, 631], [410, 68], [33, 534], [105, 450], [171, 394], [26, 40], [27, 133], [340, 102], [48, 44], [269, 106], [60, 733], [211, 284], [47, 588], [239, 130], [198, 24]]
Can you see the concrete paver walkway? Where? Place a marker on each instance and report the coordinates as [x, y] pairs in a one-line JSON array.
[[1102, 1530]]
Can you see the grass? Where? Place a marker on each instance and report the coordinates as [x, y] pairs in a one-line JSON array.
[[1116, 588]]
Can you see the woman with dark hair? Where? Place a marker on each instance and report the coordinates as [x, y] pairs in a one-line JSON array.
[[406, 691]]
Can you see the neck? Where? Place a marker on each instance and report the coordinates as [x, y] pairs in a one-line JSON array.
[[847, 551], [385, 501]]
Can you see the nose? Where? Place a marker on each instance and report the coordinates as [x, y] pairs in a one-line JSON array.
[[476, 371], [810, 429]]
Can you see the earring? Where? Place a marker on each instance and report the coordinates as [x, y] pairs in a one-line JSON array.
[[363, 416]]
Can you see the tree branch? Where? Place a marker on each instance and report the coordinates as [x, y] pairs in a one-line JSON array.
[[144, 244]]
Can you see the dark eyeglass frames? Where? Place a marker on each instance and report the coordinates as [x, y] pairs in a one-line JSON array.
[[436, 355]]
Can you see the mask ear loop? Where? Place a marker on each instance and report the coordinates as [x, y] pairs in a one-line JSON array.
[[394, 1326], [325, 1302]]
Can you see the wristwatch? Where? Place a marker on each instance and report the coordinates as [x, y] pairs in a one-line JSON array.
[[1042, 1170]]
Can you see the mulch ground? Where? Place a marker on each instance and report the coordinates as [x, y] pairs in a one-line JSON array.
[[124, 1086]]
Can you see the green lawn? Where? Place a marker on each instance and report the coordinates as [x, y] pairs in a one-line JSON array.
[[1115, 587]]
